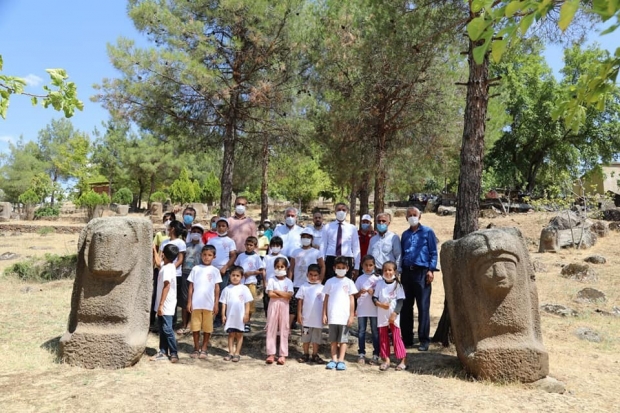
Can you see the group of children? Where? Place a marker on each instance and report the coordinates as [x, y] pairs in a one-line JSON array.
[[293, 291]]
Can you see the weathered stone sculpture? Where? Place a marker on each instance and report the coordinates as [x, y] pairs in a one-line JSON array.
[[110, 303], [157, 211], [5, 211], [493, 305]]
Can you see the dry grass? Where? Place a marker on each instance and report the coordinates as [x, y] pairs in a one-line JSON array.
[[35, 315]]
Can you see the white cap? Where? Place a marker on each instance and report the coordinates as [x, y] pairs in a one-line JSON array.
[[307, 231], [366, 217], [222, 219], [198, 226]]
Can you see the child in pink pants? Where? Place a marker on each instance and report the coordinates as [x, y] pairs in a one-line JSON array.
[[280, 291]]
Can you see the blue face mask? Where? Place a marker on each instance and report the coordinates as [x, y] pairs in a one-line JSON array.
[[365, 226], [213, 225], [382, 227], [188, 219]]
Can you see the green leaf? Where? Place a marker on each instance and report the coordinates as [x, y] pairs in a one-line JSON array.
[[498, 48], [513, 7], [526, 22], [476, 27], [567, 13], [479, 52], [1, 62], [34, 101]]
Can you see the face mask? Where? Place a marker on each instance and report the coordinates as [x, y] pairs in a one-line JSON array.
[[382, 227], [188, 219], [195, 236], [341, 272], [276, 250], [167, 224], [261, 232], [280, 273], [413, 221], [213, 225], [341, 215], [365, 227], [222, 234], [290, 221], [306, 241], [388, 280], [267, 224], [240, 209]]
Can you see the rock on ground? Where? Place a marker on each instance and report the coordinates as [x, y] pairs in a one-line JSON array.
[[579, 272], [595, 259], [550, 385], [558, 309], [591, 295], [586, 333]]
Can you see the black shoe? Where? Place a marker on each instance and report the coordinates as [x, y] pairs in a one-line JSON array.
[[423, 347]]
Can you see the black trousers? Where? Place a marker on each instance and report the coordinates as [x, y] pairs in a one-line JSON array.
[[418, 292], [329, 267]]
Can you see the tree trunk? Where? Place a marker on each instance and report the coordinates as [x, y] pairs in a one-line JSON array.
[[228, 164], [140, 192], [264, 185], [353, 203], [381, 173], [151, 191], [470, 176], [364, 194]]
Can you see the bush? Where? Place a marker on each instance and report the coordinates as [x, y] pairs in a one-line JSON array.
[[91, 200], [123, 196], [159, 196], [51, 267], [29, 197], [43, 231], [47, 211]]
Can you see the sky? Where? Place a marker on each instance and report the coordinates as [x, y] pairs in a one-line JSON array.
[[73, 34]]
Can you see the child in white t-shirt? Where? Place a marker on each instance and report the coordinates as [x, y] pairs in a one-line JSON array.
[[252, 265], [165, 305], [388, 297], [366, 310], [338, 312], [235, 300], [280, 290], [310, 314], [275, 246], [203, 295], [225, 254]]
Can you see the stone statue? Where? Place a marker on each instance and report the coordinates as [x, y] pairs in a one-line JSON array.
[[110, 303], [157, 211], [5, 211], [493, 305]]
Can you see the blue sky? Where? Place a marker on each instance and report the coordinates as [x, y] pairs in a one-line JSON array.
[[72, 34]]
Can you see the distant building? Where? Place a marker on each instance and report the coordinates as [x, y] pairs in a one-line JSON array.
[[602, 180]]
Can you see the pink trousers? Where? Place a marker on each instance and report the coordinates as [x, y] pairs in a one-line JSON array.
[[384, 342], [278, 319]]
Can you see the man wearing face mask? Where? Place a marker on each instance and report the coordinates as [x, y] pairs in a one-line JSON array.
[[365, 233], [189, 215], [290, 232], [240, 226], [341, 239], [318, 231], [385, 245], [419, 261], [212, 230]]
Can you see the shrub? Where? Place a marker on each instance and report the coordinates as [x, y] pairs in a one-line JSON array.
[[47, 211], [159, 196], [43, 231], [123, 196], [51, 267], [29, 197], [91, 200]]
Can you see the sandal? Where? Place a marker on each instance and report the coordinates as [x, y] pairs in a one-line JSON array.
[[401, 367], [384, 366], [174, 358], [202, 354], [304, 359], [316, 359], [341, 366], [361, 360], [228, 357], [331, 365], [374, 360], [281, 360], [270, 359], [195, 354], [236, 358], [183, 331]]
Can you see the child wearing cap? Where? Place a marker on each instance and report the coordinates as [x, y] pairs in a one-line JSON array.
[[268, 229], [193, 248], [253, 267], [365, 233], [225, 253], [300, 259]]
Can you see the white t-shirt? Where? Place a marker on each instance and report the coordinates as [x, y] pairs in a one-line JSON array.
[[291, 238], [388, 293], [167, 273], [269, 270], [204, 278], [284, 284], [339, 291], [235, 297], [365, 306], [317, 238], [312, 310], [250, 263], [223, 247], [303, 258], [181, 246]]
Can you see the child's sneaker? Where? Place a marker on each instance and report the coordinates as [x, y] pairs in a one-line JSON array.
[[361, 360], [159, 357], [374, 361]]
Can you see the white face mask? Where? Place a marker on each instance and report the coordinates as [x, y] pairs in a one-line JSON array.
[[240, 209], [413, 221], [276, 250], [341, 215], [290, 221], [340, 273], [306, 241], [261, 232], [195, 236], [222, 234], [280, 273], [167, 225]]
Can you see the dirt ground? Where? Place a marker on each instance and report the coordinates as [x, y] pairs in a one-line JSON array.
[[35, 315]]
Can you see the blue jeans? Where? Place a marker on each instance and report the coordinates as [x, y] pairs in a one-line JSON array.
[[362, 322], [167, 339]]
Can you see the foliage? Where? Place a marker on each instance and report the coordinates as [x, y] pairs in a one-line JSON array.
[[159, 196], [211, 188], [183, 190], [123, 196], [47, 211], [49, 268], [30, 197], [61, 96], [43, 231], [90, 200], [19, 167]]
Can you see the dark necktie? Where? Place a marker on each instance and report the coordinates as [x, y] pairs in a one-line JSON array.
[[339, 240]]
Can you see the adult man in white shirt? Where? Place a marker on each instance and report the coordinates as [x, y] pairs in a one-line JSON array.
[[290, 232], [384, 245], [341, 239], [318, 231]]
